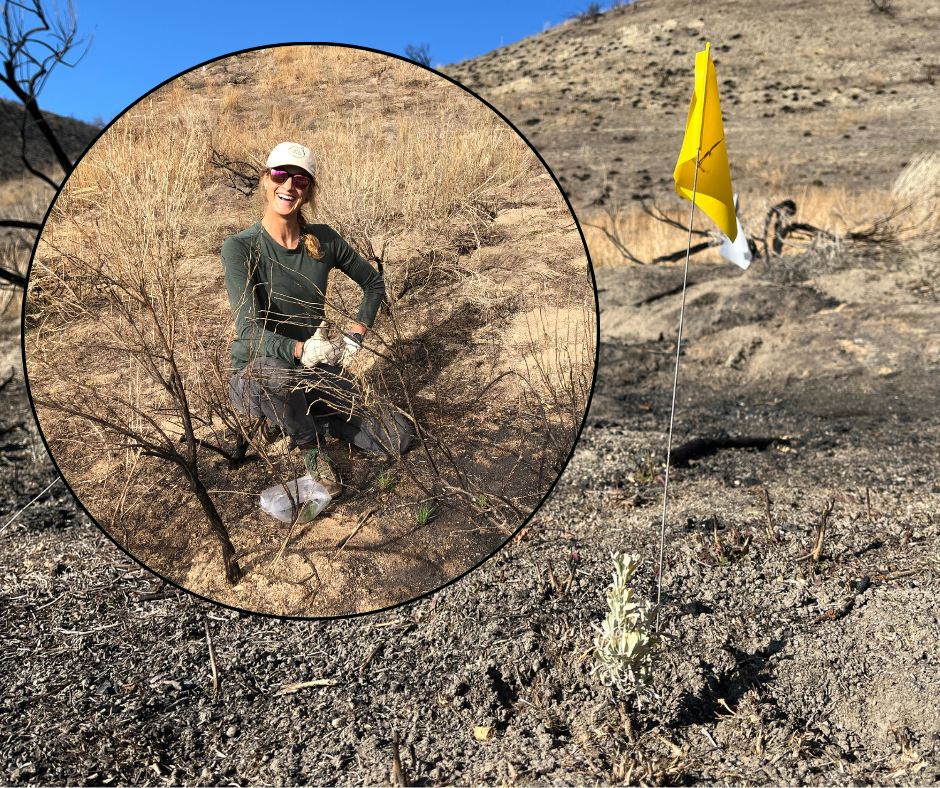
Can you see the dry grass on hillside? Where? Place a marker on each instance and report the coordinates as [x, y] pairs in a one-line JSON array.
[[904, 215], [486, 343], [24, 199]]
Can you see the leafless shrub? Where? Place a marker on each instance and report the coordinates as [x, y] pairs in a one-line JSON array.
[[649, 229], [137, 255], [34, 39], [590, 13], [416, 192], [820, 231], [419, 54], [885, 7]]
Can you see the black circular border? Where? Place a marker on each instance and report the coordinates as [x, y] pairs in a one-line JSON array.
[[551, 487]]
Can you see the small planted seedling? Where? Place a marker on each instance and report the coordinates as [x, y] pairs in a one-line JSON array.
[[623, 651], [386, 480], [425, 514], [646, 472], [721, 554], [483, 502]]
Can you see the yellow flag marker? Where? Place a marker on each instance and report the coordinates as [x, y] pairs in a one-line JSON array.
[[702, 176], [705, 143]]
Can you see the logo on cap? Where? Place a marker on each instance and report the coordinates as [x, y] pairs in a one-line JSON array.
[[297, 151]]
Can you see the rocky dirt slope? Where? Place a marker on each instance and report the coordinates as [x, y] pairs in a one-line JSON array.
[[73, 135], [833, 92]]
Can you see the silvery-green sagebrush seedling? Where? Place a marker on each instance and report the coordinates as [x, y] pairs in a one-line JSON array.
[[623, 651]]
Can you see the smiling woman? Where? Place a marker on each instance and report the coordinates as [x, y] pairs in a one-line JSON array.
[[289, 372]]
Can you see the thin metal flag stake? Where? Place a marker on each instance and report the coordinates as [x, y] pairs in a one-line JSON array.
[[675, 380]]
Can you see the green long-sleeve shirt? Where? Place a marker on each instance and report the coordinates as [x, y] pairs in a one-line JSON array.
[[277, 294]]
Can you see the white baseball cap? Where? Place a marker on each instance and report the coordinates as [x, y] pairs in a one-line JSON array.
[[292, 153]]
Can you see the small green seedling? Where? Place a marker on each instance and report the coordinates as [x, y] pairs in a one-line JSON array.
[[646, 472], [623, 651], [424, 514], [483, 502], [386, 480]]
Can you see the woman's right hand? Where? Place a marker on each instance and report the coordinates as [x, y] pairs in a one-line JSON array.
[[320, 350]]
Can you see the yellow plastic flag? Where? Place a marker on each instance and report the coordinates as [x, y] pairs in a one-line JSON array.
[[704, 130]]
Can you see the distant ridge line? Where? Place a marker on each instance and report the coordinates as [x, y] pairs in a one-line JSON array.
[[74, 136]]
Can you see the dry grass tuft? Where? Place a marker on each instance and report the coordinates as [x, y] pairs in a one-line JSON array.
[[916, 193], [230, 99]]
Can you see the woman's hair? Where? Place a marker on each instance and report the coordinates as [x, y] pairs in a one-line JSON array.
[[310, 198]]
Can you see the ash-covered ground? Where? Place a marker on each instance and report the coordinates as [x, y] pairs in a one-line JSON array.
[[776, 669]]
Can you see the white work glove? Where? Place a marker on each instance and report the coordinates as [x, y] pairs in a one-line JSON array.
[[320, 350], [352, 343]]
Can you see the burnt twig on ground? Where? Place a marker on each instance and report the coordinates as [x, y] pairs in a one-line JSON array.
[[719, 549], [737, 549], [399, 776], [215, 671], [362, 520], [673, 256], [815, 554], [835, 613], [770, 522], [290, 533], [699, 447], [821, 531], [893, 575], [372, 655]]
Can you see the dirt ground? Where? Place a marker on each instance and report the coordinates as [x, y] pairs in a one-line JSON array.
[[777, 670]]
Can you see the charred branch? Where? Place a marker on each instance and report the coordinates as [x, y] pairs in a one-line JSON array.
[[242, 176], [12, 277], [20, 224], [699, 447], [34, 41]]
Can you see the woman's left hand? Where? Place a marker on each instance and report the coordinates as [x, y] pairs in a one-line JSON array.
[[352, 342]]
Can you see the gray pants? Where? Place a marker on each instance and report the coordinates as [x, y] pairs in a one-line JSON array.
[[307, 402]]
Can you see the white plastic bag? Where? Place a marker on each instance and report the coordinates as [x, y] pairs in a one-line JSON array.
[[308, 494]]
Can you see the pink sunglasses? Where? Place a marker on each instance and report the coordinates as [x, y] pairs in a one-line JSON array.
[[281, 176]]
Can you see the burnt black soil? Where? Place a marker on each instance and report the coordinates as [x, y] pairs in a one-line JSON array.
[[776, 670]]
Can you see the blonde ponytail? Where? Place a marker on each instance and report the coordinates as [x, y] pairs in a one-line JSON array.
[[310, 240]]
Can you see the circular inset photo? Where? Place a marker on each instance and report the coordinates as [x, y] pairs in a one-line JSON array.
[[310, 331]]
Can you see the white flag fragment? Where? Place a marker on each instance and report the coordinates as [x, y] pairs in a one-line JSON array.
[[737, 251]]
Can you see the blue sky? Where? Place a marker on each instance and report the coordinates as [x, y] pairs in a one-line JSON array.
[[138, 45]]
